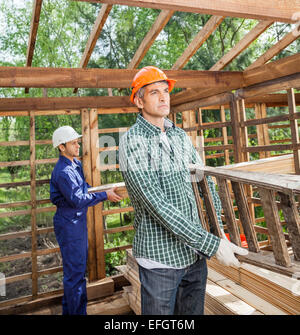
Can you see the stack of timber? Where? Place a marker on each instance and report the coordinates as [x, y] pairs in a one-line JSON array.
[[224, 295]]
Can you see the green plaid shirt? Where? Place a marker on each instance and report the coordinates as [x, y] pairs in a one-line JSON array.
[[158, 181]]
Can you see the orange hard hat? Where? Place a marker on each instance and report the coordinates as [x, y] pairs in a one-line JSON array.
[[148, 75]]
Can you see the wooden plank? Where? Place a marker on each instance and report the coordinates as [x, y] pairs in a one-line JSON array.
[[229, 213], [218, 99], [33, 208], [245, 216], [225, 137], [198, 40], [245, 295], [294, 129], [274, 227], [68, 103], [275, 10], [159, 24], [107, 78], [98, 217], [276, 48], [277, 182], [241, 45], [95, 33], [234, 117], [274, 85], [279, 71], [291, 216], [210, 209], [199, 203], [272, 70], [35, 18], [201, 137], [87, 168], [243, 130]]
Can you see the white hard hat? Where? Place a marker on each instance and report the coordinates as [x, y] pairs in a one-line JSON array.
[[63, 135]]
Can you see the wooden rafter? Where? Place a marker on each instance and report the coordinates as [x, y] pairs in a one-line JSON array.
[[282, 67], [35, 19], [272, 70], [241, 45], [198, 40], [275, 10], [94, 35], [157, 27], [76, 103], [104, 78], [276, 48]]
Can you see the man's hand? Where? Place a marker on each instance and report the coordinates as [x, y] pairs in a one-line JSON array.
[[226, 251], [112, 195]]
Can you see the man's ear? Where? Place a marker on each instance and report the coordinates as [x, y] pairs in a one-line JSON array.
[[61, 147], [139, 102]]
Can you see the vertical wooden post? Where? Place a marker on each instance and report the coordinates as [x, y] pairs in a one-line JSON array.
[[33, 207], [245, 216], [229, 214], [243, 129], [224, 134], [294, 128], [292, 219], [201, 144], [199, 203], [210, 209], [235, 124], [87, 168], [274, 227], [98, 217], [262, 129]]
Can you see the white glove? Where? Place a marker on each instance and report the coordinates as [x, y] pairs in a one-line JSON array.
[[226, 251]]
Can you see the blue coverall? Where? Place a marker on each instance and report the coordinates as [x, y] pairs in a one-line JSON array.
[[68, 191]]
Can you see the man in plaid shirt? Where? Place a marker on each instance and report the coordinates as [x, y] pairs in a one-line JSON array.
[[170, 245]]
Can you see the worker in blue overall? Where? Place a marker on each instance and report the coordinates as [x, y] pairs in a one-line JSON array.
[[69, 192]]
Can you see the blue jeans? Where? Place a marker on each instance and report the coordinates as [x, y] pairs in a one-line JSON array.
[[174, 291]]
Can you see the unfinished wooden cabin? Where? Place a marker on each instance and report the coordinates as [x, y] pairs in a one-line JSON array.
[[257, 176]]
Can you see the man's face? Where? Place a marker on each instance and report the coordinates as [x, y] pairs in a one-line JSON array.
[[156, 100], [71, 149]]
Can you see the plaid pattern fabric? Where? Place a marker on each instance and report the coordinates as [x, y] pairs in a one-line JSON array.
[[158, 181]]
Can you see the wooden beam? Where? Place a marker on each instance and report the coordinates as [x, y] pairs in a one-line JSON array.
[[94, 35], [294, 128], [35, 19], [241, 45], [269, 86], [274, 70], [219, 99], [105, 78], [162, 19], [275, 10], [198, 40], [25, 104], [282, 67], [276, 48]]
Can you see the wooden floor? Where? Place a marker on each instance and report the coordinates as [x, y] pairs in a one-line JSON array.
[[112, 305]]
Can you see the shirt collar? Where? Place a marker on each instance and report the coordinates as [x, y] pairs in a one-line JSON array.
[[67, 161], [151, 128]]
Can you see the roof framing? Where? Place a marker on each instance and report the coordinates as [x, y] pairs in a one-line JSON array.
[[35, 19], [275, 10]]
